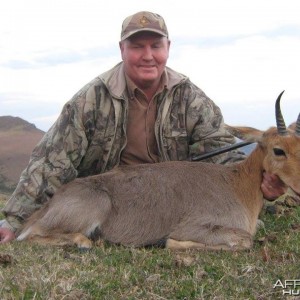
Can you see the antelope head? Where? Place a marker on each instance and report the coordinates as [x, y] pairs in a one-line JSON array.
[[282, 146]]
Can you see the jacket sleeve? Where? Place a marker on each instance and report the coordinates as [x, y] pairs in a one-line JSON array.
[[207, 130], [53, 162]]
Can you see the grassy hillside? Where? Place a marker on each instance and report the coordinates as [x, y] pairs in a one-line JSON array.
[[17, 140]]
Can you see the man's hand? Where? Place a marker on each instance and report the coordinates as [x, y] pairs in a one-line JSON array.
[[6, 235], [272, 186]]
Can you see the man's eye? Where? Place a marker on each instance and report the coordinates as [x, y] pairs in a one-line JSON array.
[[278, 152]]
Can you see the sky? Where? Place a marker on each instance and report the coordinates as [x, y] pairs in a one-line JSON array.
[[241, 53]]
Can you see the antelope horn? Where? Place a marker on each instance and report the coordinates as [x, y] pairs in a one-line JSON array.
[[281, 128], [297, 131]]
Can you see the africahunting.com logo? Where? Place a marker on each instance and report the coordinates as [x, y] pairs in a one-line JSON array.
[[289, 287]]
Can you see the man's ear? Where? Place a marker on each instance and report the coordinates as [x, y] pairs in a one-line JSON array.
[[121, 45]]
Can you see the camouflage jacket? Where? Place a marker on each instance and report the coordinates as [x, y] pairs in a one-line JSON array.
[[90, 133]]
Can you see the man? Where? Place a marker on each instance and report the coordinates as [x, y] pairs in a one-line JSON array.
[[138, 112]]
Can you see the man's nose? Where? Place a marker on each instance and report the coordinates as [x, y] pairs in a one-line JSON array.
[[148, 53]]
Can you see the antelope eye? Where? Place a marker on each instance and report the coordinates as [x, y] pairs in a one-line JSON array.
[[278, 152]]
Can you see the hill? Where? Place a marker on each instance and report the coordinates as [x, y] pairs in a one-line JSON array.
[[17, 139]]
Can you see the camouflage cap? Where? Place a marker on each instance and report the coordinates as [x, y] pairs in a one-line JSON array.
[[143, 21]]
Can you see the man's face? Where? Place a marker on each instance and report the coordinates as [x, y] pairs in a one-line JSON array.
[[145, 55]]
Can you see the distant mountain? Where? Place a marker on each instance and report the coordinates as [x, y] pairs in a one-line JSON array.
[[17, 140], [9, 123]]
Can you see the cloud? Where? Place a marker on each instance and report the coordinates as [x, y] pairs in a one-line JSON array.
[[257, 65], [60, 57]]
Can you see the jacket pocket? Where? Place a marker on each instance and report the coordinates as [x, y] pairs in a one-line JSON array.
[[177, 145]]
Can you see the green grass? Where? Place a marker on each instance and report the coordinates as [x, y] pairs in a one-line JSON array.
[[114, 272]]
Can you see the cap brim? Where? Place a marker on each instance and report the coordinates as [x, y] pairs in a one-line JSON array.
[[127, 35]]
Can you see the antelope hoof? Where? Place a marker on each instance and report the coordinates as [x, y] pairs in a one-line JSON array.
[[82, 242]]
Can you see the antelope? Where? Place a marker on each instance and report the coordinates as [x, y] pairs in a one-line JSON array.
[[180, 204]]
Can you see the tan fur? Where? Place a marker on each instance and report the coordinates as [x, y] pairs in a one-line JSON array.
[[189, 204]]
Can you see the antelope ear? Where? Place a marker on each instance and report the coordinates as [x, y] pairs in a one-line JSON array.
[[248, 134], [292, 126]]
